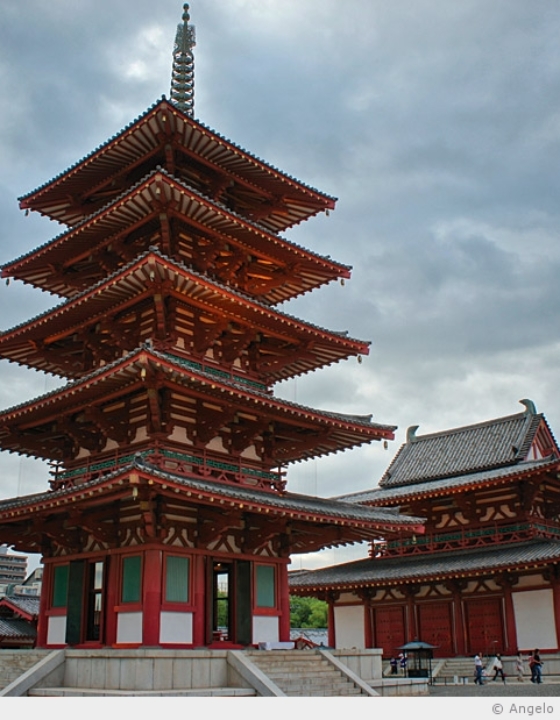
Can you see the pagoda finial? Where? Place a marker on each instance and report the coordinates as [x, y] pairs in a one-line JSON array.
[[182, 76]]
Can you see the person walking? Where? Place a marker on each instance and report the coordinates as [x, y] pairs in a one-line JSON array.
[[478, 669], [498, 668]]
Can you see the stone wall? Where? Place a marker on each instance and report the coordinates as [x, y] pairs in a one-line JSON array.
[[14, 663]]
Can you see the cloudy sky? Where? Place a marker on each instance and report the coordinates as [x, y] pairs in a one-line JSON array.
[[436, 124]]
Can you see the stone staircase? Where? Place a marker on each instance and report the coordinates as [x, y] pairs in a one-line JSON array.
[[304, 673], [460, 669]]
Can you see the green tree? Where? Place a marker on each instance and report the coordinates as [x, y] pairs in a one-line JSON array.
[[307, 612]]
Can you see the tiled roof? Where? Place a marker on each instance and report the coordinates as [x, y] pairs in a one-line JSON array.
[[474, 448], [400, 493], [70, 234], [345, 431], [16, 630], [381, 571], [25, 604], [319, 510], [121, 285]]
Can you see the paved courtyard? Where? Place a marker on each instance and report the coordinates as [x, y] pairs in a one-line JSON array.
[[498, 689]]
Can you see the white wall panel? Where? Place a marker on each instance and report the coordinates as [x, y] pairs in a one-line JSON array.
[[265, 628], [176, 627], [56, 631], [534, 619], [349, 627], [129, 627]]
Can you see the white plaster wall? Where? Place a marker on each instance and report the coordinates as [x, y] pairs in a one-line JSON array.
[[129, 627], [534, 619], [349, 627], [176, 627], [265, 628], [56, 630]]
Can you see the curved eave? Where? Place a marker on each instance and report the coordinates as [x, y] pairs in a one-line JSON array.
[[135, 282], [121, 484], [160, 124], [547, 552], [144, 202], [455, 486], [126, 375]]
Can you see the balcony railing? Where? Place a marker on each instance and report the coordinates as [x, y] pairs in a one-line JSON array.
[[466, 538], [205, 465]]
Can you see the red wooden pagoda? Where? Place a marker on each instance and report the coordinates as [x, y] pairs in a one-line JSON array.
[[489, 561], [167, 444]]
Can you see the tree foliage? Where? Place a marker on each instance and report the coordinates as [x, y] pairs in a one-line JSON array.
[[307, 612]]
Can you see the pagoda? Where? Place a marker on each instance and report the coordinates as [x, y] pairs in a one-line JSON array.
[[167, 521]]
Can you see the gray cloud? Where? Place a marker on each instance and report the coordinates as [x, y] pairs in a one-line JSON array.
[[436, 124]]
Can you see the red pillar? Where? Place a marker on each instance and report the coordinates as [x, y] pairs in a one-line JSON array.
[[510, 627], [368, 622], [556, 603], [112, 600], [284, 603], [151, 597], [411, 627], [199, 600], [456, 586], [46, 593], [330, 622]]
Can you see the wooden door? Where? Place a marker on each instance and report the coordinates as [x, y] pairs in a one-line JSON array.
[[388, 629], [485, 627], [435, 627]]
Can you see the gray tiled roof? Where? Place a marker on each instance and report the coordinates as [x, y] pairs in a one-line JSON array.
[[16, 629], [290, 502], [474, 448], [377, 571], [402, 492], [28, 604]]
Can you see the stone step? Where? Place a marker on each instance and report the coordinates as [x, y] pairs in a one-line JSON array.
[[107, 692]]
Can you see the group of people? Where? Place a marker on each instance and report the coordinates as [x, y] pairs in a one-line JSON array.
[[535, 666], [396, 662]]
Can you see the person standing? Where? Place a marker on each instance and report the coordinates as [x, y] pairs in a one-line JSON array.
[[478, 669], [535, 663], [393, 662], [498, 668]]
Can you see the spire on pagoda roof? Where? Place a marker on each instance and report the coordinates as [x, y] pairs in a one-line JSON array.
[[182, 75]]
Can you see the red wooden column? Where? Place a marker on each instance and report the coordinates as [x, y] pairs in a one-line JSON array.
[[555, 580], [151, 596], [199, 600], [46, 594], [284, 603], [411, 624], [112, 600], [510, 627], [331, 598], [459, 644], [365, 596], [506, 581]]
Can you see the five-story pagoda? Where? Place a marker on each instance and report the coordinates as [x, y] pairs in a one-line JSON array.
[[167, 521]]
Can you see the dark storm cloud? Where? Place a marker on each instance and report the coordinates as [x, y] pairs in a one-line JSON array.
[[436, 124]]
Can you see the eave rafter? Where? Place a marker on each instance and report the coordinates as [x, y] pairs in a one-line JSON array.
[[207, 329], [214, 526], [211, 420]]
